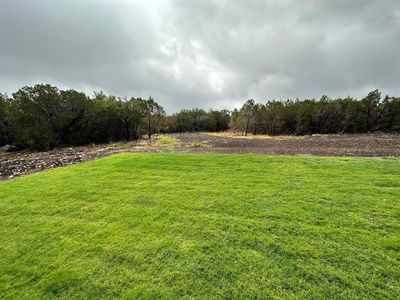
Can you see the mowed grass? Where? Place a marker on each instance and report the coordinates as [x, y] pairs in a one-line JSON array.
[[203, 226]]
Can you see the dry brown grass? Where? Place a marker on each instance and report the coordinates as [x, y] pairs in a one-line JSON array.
[[229, 134]]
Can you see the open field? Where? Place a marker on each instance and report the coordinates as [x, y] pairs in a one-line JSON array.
[[169, 225], [375, 145]]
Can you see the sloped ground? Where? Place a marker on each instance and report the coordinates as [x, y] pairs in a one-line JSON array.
[[373, 145]]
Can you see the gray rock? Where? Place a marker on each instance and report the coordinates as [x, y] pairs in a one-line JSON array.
[[8, 148]]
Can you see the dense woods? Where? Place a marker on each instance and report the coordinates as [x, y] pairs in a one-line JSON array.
[[326, 115], [42, 117], [198, 120]]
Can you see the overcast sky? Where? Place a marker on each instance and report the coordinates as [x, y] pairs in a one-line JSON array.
[[203, 53]]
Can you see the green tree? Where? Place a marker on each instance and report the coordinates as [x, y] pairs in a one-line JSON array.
[[371, 109], [35, 111], [248, 111], [154, 114], [73, 117], [5, 121], [391, 114]]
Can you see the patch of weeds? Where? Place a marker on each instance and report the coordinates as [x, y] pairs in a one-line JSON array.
[[166, 140], [200, 144]]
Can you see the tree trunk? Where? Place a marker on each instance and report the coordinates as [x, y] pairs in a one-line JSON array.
[[247, 127], [149, 127], [128, 135]]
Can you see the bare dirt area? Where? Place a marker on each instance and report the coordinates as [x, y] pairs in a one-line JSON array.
[[371, 145], [14, 164]]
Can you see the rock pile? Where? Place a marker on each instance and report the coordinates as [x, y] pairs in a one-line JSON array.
[[15, 164]]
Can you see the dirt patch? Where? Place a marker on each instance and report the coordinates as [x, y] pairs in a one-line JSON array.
[[372, 145], [326, 145]]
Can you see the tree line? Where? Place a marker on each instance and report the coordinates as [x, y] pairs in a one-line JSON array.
[[43, 116], [310, 116]]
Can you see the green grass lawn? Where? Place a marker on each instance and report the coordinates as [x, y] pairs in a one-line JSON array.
[[203, 226]]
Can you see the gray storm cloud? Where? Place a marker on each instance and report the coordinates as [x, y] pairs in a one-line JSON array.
[[203, 53]]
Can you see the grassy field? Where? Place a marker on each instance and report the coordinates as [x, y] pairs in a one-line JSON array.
[[203, 226]]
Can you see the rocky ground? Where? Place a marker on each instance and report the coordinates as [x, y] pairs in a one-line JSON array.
[[14, 164]]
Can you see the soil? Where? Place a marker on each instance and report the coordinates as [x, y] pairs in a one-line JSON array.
[[14, 164], [370, 145]]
